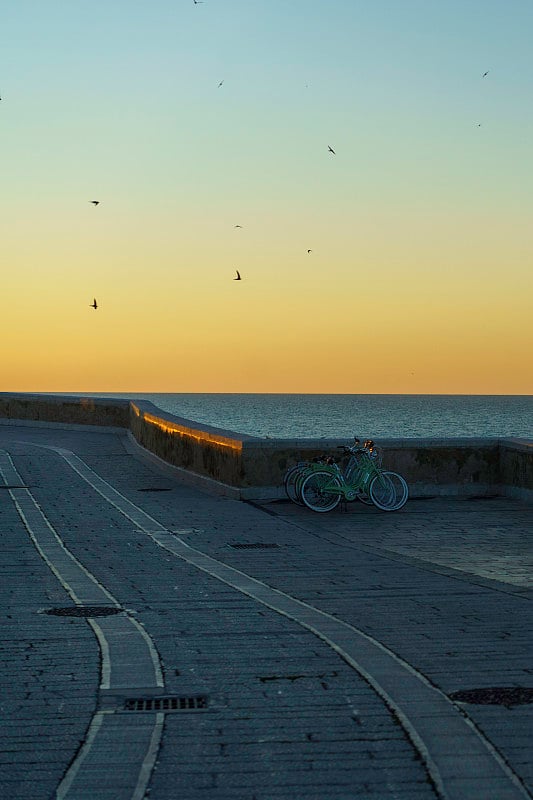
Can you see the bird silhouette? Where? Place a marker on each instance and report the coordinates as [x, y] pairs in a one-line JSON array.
[[237, 226], [238, 278], [94, 202], [198, 2], [331, 150], [309, 251], [485, 74], [220, 84], [94, 304]]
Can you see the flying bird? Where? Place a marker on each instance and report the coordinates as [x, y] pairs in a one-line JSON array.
[[485, 74], [220, 84], [237, 226], [331, 150], [309, 251], [94, 304], [198, 2], [238, 278], [94, 202]]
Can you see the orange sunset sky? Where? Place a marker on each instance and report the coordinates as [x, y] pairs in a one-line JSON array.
[[186, 120]]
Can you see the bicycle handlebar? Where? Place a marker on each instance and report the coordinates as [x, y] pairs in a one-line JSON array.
[[353, 450]]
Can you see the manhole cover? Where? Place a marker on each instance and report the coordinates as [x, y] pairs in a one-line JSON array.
[[254, 545], [166, 703], [495, 696], [83, 611]]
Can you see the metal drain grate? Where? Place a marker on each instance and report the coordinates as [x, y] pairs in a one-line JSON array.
[[168, 703], [254, 546], [83, 611], [496, 696]]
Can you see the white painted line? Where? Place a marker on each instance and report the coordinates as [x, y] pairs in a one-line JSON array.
[[149, 760], [159, 680], [66, 783], [28, 508], [105, 677]]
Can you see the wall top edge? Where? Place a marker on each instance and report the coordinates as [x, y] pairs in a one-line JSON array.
[[407, 442], [65, 398], [147, 407], [518, 444]]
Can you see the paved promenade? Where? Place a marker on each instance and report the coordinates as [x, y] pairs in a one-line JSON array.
[[159, 642]]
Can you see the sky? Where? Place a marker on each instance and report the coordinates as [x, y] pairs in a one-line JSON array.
[[185, 120]]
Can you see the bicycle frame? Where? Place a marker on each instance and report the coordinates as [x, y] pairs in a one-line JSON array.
[[354, 479]]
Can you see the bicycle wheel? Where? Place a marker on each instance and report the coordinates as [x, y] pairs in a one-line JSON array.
[[300, 478], [389, 491], [290, 482], [318, 491]]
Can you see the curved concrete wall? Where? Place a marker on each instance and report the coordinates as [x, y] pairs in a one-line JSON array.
[[201, 449], [251, 467]]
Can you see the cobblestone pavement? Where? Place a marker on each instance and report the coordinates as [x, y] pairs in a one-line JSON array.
[[487, 536], [316, 654]]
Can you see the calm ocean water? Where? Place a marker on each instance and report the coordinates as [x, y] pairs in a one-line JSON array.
[[313, 416]]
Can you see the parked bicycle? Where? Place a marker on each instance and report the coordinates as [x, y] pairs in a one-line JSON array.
[[322, 484], [294, 475]]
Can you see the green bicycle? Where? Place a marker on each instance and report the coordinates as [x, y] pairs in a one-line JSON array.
[[321, 487]]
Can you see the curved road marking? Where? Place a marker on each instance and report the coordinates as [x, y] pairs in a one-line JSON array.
[[105, 667], [423, 710], [92, 733], [129, 661], [90, 770]]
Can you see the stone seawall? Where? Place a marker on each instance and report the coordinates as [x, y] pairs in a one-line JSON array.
[[252, 468], [65, 409], [202, 450]]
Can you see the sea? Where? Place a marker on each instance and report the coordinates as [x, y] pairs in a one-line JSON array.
[[316, 416]]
